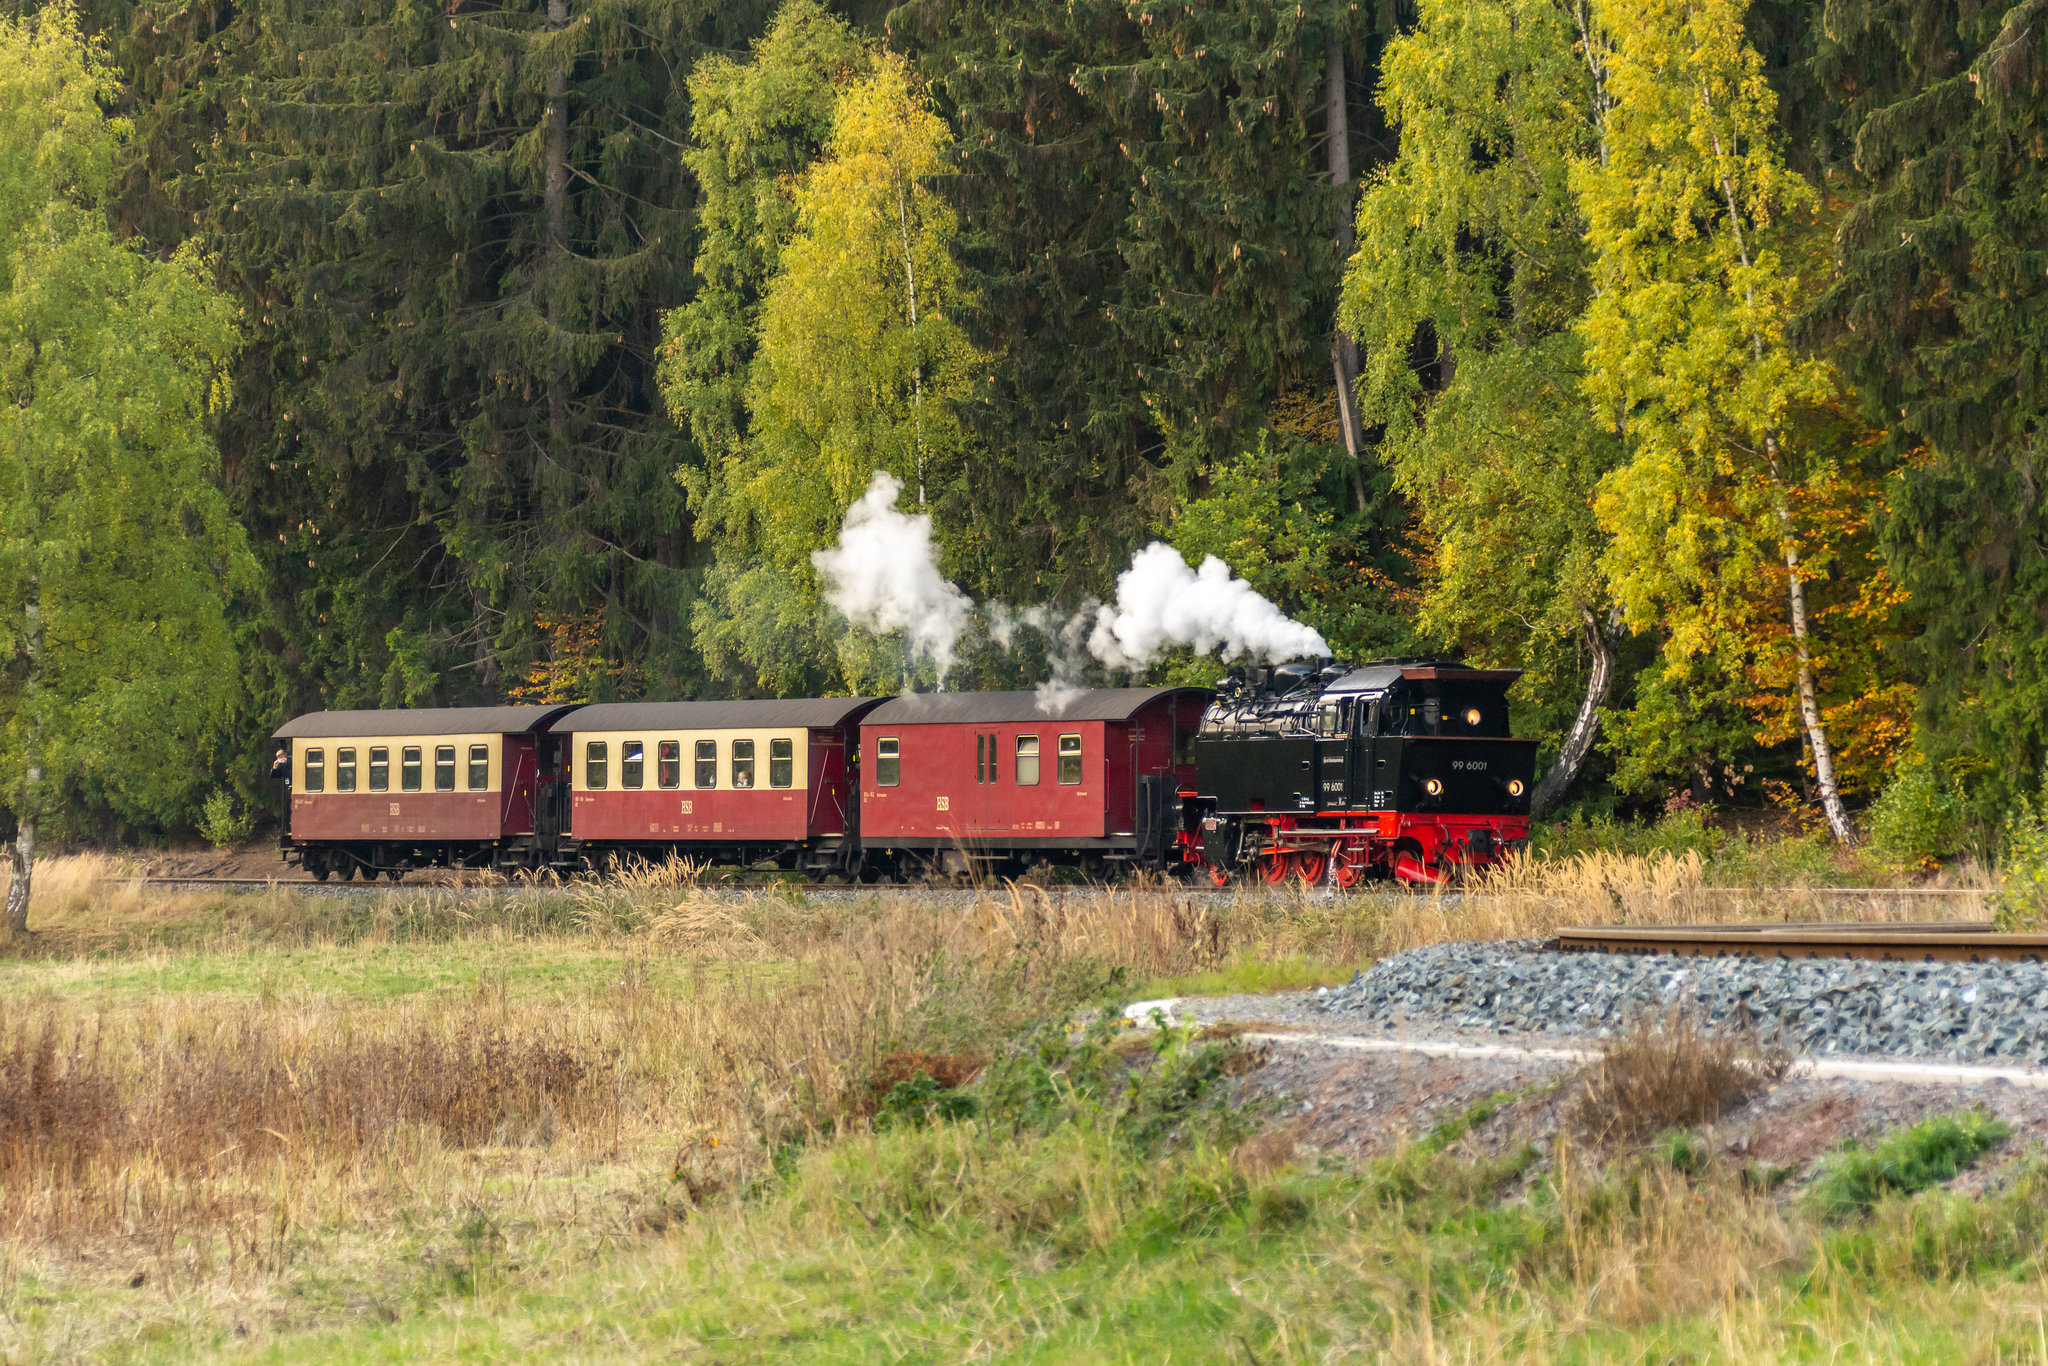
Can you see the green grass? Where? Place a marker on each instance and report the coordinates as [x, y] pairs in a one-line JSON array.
[[1251, 976], [1904, 1162]]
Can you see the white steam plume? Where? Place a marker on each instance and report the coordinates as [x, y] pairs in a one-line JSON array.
[[884, 576], [1160, 603]]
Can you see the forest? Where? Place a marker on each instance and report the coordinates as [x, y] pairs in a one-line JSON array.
[[1689, 355]]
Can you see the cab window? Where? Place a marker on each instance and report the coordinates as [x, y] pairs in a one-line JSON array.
[[316, 770], [668, 763], [742, 764], [409, 768], [888, 762], [596, 765], [1070, 759], [1027, 761], [345, 770], [380, 769], [632, 763], [479, 767], [707, 763], [444, 768], [781, 762]]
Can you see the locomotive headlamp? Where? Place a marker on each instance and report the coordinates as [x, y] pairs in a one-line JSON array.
[[1472, 716], [1514, 787], [1434, 787]]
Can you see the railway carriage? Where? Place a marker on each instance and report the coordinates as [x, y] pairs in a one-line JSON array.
[[1401, 767], [754, 783], [383, 791], [949, 781]]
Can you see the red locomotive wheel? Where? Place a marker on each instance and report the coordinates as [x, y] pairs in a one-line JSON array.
[[1350, 867], [1273, 869], [1310, 867], [1219, 877]]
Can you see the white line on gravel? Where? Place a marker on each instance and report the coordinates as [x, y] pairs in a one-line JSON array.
[[1933, 1073]]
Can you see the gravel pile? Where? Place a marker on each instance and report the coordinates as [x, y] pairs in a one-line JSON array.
[[1962, 1011]]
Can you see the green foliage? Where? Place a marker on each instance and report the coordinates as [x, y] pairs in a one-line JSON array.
[[118, 555], [2021, 901], [1852, 1181], [920, 1100], [1918, 818], [221, 824]]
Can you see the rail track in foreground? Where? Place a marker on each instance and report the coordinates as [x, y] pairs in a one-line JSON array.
[[1951, 941]]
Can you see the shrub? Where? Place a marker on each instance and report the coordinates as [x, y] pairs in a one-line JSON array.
[[1917, 818], [1671, 1074], [1903, 1162], [2022, 894], [220, 824]]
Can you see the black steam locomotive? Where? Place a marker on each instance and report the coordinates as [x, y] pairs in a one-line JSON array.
[[1399, 768]]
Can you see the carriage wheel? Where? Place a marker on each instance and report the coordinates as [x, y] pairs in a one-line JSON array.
[[1310, 867], [1219, 877], [1273, 869], [393, 874], [1350, 867], [318, 868], [348, 868]]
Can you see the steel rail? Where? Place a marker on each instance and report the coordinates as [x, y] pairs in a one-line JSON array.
[[1960, 941]]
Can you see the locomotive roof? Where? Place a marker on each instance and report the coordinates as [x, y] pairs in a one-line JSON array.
[[1380, 677], [983, 708], [805, 712], [331, 725]]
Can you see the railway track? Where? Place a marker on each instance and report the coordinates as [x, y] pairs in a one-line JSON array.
[[1953, 941]]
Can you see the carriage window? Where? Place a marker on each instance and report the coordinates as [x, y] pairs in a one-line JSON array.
[[344, 770], [1027, 761], [981, 758], [444, 768], [888, 762], [781, 762], [479, 767], [380, 769], [707, 763], [316, 770], [742, 763], [632, 763], [1070, 759], [596, 762], [409, 768], [668, 763]]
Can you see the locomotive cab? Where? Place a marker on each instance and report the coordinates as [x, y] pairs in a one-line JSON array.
[[1315, 765]]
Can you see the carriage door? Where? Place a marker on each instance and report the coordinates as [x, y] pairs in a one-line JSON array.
[[1333, 754]]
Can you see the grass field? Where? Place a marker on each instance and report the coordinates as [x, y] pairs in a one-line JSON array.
[[641, 1122]]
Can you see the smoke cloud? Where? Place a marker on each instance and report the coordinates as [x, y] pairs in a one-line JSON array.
[[884, 576], [1160, 603]]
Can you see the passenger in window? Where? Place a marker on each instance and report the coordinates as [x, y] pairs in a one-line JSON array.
[[668, 764], [742, 764], [707, 764], [344, 770], [281, 769], [1070, 760]]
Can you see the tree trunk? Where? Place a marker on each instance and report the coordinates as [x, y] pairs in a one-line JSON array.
[[1578, 741], [555, 204], [1809, 702], [1343, 350], [21, 858]]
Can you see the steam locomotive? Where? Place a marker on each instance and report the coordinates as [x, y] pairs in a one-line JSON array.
[[1402, 769]]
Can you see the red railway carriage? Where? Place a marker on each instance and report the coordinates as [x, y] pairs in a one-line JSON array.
[[755, 783], [384, 791], [950, 779]]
